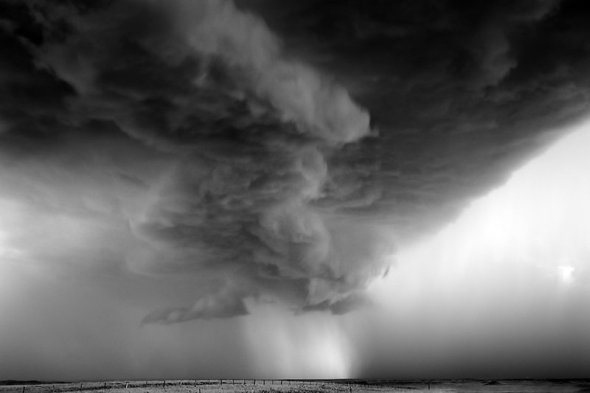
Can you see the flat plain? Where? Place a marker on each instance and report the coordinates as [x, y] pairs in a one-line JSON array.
[[301, 386]]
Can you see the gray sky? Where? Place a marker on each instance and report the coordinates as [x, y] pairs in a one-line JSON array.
[[194, 189]]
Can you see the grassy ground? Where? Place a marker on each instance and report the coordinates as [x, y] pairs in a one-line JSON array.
[[278, 386]]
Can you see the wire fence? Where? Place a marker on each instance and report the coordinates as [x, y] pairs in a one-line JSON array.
[[184, 386]]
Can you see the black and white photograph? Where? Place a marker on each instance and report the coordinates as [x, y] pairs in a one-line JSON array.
[[294, 196]]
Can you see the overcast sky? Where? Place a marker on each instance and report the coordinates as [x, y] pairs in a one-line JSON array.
[[195, 189]]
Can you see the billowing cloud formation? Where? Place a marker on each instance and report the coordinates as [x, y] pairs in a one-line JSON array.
[[229, 138], [461, 91], [232, 144]]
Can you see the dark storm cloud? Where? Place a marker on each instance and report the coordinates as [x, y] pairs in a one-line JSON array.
[[460, 91], [237, 137], [275, 162]]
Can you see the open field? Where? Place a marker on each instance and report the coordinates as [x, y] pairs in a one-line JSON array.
[[301, 386]]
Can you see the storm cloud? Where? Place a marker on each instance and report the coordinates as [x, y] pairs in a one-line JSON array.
[[269, 152], [196, 106]]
